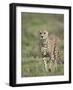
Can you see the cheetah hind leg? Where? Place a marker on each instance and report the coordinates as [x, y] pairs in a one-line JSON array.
[[55, 65]]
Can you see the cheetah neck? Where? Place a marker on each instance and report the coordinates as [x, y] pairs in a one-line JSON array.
[[45, 43]]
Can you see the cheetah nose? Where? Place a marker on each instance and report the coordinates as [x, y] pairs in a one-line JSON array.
[[42, 36]]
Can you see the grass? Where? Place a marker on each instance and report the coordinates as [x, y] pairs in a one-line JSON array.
[[35, 67], [31, 24]]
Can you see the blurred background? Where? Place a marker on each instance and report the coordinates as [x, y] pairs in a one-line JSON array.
[[31, 24]]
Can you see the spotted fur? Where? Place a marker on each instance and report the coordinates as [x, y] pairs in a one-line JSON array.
[[49, 47]]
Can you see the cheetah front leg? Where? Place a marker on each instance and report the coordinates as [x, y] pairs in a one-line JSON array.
[[45, 64], [51, 63]]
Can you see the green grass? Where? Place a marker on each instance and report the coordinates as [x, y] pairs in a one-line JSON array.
[[31, 24], [35, 67]]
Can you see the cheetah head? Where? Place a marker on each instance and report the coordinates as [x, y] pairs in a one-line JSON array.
[[43, 35]]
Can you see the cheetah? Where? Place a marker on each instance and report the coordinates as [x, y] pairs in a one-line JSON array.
[[49, 47]]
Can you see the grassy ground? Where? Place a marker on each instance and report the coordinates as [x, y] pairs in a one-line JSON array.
[[31, 61], [35, 67]]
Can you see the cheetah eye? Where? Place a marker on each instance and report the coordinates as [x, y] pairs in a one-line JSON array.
[[40, 33], [44, 32]]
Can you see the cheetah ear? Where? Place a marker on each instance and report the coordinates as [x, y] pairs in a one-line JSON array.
[[48, 32], [40, 31]]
